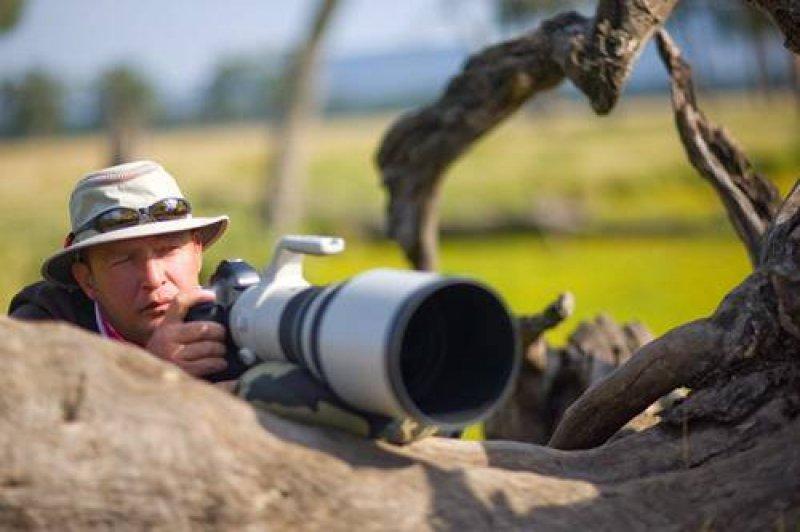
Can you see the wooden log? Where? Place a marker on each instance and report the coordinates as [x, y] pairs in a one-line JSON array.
[[98, 435]]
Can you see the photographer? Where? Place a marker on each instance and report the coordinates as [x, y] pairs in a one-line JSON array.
[[129, 270]]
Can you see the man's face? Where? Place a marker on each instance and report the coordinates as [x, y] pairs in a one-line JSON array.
[[134, 281]]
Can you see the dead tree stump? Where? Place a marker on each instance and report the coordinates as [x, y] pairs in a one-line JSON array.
[[551, 378]]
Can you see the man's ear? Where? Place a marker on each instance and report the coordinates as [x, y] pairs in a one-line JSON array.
[[83, 275]]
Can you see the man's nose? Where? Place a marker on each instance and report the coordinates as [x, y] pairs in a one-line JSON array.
[[152, 272]]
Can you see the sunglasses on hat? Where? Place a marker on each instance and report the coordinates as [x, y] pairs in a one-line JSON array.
[[122, 217]]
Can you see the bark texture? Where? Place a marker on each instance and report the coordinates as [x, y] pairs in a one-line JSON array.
[[98, 435], [750, 199], [596, 54], [753, 335], [551, 378]]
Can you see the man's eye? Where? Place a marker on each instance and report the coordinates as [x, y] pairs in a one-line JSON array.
[[122, 259], [169, 250]]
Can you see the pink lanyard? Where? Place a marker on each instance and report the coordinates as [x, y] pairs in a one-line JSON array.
[[104, 327]]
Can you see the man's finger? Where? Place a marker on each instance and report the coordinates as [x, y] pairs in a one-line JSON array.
[[204, 366], [197, 331], [199, 350], [184, 301]]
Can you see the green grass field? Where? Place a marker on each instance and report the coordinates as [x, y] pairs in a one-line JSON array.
[[627, 168]]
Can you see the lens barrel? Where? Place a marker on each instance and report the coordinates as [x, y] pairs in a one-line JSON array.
[[441, 350]]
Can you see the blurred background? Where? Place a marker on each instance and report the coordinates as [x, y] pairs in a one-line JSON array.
[[272, 112]]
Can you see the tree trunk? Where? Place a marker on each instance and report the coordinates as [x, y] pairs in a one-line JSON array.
[[95, 434], [287, 180], [761, 59], [123, 137], [794, 77]]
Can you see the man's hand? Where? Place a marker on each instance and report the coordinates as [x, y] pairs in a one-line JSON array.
[[197, 347]]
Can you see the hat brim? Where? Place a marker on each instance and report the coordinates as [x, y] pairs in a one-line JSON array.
[[58, 268]]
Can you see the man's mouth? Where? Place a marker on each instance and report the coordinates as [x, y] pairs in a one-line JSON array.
[[156, 307]]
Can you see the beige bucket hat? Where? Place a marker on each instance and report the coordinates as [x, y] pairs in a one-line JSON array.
[[137, 185]]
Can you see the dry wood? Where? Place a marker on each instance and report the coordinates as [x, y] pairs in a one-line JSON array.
[[753, 330], [532, 327], [750, 199], [755, 319], [552, 378], [98, 435], [526, 415], [596, 54]]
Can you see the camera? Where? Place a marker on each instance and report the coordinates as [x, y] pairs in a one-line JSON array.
[[442, 350]]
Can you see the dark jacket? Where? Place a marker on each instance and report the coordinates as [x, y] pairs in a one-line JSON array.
[[48, 301]]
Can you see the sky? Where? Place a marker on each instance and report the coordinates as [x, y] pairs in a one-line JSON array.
[[371, 47], [179, 41]]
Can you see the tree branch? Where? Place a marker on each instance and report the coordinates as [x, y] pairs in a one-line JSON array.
[[420, 146], [750, 199], [596, 54], [785, 14], [533, 326], [659, 367]]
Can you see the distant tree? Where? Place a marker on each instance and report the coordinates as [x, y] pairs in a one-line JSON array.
[[10, 13], [241, 88], [284, 202], [517, 14], [8, 101], [741, 18], [513, 10], [226, 97], [126, 105], [32, 105]]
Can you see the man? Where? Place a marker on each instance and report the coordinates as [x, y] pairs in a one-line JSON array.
[[129, 270]]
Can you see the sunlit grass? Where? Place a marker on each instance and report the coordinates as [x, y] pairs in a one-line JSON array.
[[625, 168], [662, 282]]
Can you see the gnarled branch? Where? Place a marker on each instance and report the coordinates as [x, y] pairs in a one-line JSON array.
[[755, 321], [750, 199], [533, 326], [552, 378], [659, 367], [595, 54]]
